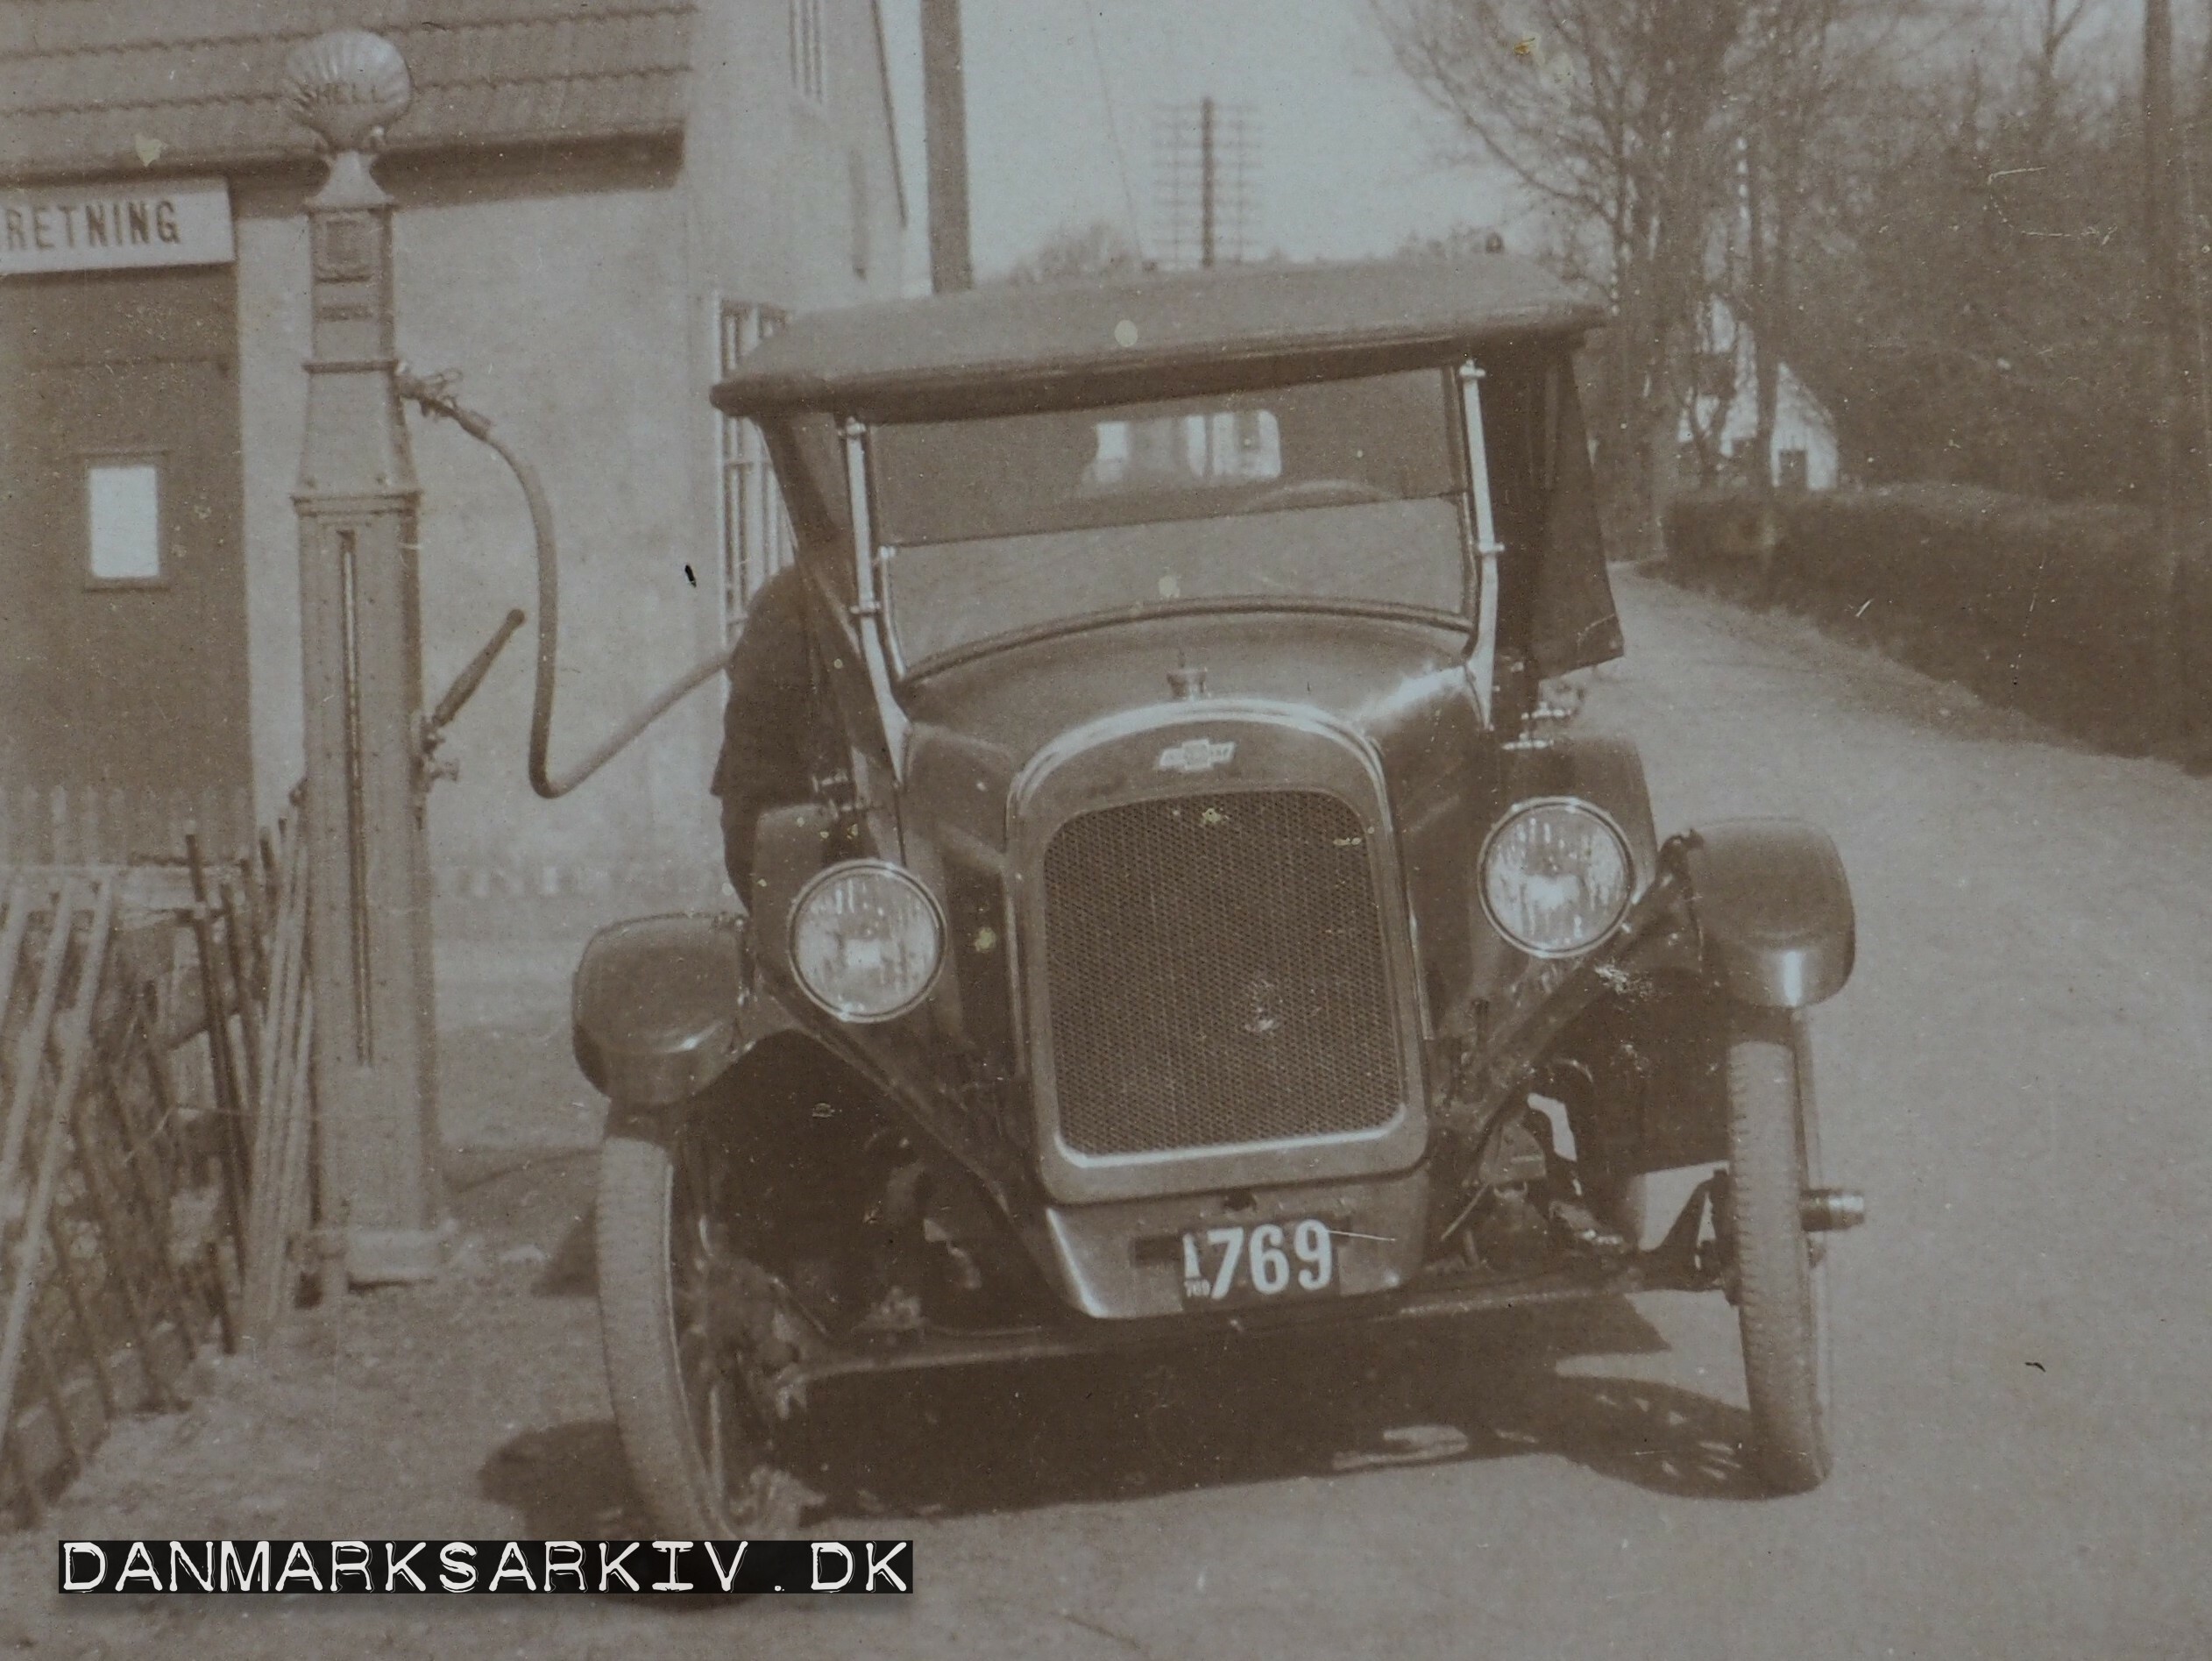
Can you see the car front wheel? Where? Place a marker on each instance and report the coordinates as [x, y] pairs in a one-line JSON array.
[[679, 1315], [1780, 1277]]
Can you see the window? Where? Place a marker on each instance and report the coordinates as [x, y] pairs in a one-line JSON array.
[[1792, 471], [1185, 453], [1380, 438], [123, 503], [1341, 493], [756, 532], [809, 56]]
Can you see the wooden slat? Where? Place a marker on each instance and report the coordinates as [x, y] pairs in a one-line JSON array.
[[236, 959], [230, 1106], [97, 1143], [76, 1052], [31, 1046], [130, 1156], [36, 1442], [50, 1386], [117, 1246], [13, 927], [290, 1212], [283, 1085], [80, 1311]]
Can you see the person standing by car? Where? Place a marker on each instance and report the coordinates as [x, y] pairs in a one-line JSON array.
[[764, 760]]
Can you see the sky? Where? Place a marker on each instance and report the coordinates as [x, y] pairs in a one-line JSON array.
[[1349, 160], [1063, 97]]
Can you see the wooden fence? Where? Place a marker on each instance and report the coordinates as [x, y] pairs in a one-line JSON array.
[[155, 1151], [99, 824]]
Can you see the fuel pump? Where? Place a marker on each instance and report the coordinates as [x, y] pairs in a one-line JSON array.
[[372, 751]]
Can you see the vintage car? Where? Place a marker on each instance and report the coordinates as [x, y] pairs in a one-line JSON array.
[[1200, 920]]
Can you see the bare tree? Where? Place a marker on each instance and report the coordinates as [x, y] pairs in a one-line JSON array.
[[1074, 252], [2056, 22], [1787, 91], [1610, 111], [1692, 139], [1972, 290]]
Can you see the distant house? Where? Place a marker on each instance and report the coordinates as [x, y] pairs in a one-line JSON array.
[[601, 204], [1720, 427]]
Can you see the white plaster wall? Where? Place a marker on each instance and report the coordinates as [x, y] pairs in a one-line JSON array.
[[1801, 421], [272, 343], [580, 302], [569, 315], [770, 172]]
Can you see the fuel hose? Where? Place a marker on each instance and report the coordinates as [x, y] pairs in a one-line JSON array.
[[435, 396]]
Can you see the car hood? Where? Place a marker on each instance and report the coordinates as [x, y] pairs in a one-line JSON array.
[[1401, 687]]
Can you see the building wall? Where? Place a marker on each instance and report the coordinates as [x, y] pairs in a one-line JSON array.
[[772, 171], [564, 303], [1801, 424], [581, 298], [1801, 421], [120, 692]]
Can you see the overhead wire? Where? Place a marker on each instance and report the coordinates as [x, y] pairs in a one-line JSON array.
[[1113, 128]]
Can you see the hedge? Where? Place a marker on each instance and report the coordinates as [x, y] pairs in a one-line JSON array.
[[2073, 612]]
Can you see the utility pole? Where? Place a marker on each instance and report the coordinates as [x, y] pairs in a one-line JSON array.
[[1207, 170], [1205, 159], [2182, 442], [368, 859], [944, 139], [2162, 247]]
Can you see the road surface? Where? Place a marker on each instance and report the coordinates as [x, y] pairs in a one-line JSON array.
[[2017, 1077]]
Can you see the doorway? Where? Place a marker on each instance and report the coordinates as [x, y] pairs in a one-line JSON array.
[[123, 617]]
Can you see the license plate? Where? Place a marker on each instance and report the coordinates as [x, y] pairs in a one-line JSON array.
[[1235, 1264]]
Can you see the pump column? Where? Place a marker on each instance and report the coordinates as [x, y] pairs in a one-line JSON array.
[[369, 915]]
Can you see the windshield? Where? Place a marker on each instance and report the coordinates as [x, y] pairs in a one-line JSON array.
[[1336, 493]]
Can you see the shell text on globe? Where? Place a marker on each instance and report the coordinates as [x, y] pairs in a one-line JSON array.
[[348, 85]]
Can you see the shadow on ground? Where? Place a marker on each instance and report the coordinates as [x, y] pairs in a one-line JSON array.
[[537, 1201], [1009, 1439], [566, 1483]]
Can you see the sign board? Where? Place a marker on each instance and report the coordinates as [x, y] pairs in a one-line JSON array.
[[115, 224]]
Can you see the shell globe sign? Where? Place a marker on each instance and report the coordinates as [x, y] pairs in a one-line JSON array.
[[348, 86]]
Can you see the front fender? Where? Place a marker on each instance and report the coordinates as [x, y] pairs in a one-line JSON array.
[[663, 1006], [1773, 910]]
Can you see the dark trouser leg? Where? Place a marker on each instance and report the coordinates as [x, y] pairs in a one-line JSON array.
[[740, 828]]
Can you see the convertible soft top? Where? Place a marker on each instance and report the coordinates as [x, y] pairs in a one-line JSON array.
[[1034, 344]]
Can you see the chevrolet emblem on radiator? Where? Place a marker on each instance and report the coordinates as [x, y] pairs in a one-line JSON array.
[[1196, 756]]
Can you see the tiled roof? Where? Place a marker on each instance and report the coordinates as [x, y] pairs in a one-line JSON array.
[[82, 82]]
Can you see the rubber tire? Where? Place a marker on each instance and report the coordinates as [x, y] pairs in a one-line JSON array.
[[1774, 1154], [637, 1328]]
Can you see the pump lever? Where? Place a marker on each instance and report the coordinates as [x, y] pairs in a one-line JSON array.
[[470, 679]]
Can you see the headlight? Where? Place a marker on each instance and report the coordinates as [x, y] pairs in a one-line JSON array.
[[867, 940], [1555, 876]]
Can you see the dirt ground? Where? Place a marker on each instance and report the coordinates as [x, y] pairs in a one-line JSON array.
[[2017, 1078]]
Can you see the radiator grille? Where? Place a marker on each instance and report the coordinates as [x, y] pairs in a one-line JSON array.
[[1215, 971]]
